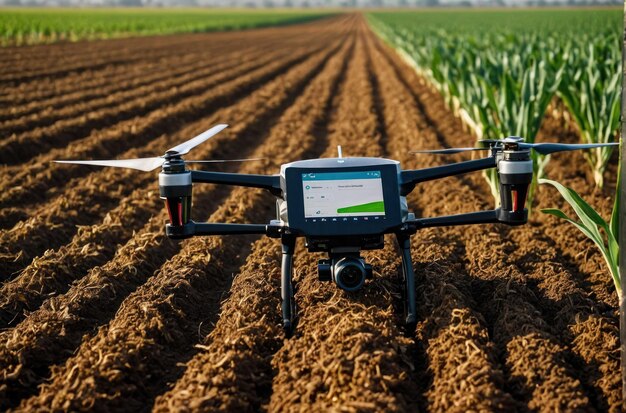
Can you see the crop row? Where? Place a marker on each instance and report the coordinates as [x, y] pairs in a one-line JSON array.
[[83, 303], [538, 310], [160, 319], [28, 26], [502, 80]]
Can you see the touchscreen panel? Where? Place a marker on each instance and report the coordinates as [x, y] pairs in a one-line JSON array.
[[343, 194]]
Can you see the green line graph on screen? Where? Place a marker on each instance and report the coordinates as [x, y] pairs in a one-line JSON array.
[[378, 206]]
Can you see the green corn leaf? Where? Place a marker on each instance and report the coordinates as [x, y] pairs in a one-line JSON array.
[[616, 204], [590, 220], [589, 217], [595, 237]]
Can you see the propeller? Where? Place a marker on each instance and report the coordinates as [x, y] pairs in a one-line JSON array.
[[142, 164], [548, 148], [450, 151], [149, 164], [542, 148]]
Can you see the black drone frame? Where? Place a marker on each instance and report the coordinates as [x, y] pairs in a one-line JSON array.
[[343, 240], [508, 213]]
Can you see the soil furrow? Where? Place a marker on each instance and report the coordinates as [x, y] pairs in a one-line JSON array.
[[41, 176], [570, 279], [35, 280], [29, 239], [57, 54], [28, 98], [572, 312], [232, 371], [174, 75], [49, 61], [97, 61], [357, 358], [53, 272], [161, 319], [131, 83], [247, 336], [448, 324], [134, 104], [154, 327], [49, 335], [536, 370], [43, 59], [578, 250], [99, 54]]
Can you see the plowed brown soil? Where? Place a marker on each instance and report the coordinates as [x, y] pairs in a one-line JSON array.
[[100, 311]]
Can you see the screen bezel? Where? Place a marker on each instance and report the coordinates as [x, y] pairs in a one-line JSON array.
[[327, 226]]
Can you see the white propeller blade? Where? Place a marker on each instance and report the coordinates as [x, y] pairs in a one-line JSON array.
[[450, 151], [149, 164], [225, 160], [185, 147], [548, 148], [542, 148], [142, 164]]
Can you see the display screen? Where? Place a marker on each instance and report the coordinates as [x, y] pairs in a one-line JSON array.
[[343, 194]]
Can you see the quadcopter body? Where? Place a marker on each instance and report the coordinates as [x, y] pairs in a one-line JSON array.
[[342, 206]]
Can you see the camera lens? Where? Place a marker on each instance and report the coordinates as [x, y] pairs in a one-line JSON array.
[[349, 274]]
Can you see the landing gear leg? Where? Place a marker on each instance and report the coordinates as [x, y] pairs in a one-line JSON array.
[[288, 303], [408, 276]]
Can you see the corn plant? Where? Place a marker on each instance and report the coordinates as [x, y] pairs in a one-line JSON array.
[[591, 93], [498, 84], [500, 79], [516, 106], [604, 235]]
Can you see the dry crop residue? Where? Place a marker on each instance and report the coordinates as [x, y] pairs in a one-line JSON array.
[[98, 309]]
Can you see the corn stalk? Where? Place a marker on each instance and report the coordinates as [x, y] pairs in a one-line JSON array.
[[517, 102], [591, 93], [500, 82], [604, 235], [499, 85]]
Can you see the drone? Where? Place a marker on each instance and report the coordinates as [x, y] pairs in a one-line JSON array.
[[342, 206]]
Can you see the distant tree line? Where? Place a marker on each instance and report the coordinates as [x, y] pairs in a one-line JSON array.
[[307, 3]]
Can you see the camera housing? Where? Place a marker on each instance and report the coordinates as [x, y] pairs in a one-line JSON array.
[[347, 272]]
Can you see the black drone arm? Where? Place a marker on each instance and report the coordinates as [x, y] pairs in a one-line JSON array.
[[410, 178], [269, 182], [481, 217], [193, 228], [492, 216]]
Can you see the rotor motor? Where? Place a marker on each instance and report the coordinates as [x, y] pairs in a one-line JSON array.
[[515, 173], [175, 188]]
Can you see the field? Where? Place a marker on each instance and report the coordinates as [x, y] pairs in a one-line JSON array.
[[98, 310], [31, 26]]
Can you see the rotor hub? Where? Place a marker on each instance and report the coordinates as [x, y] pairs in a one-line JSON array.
[[173, 163]]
